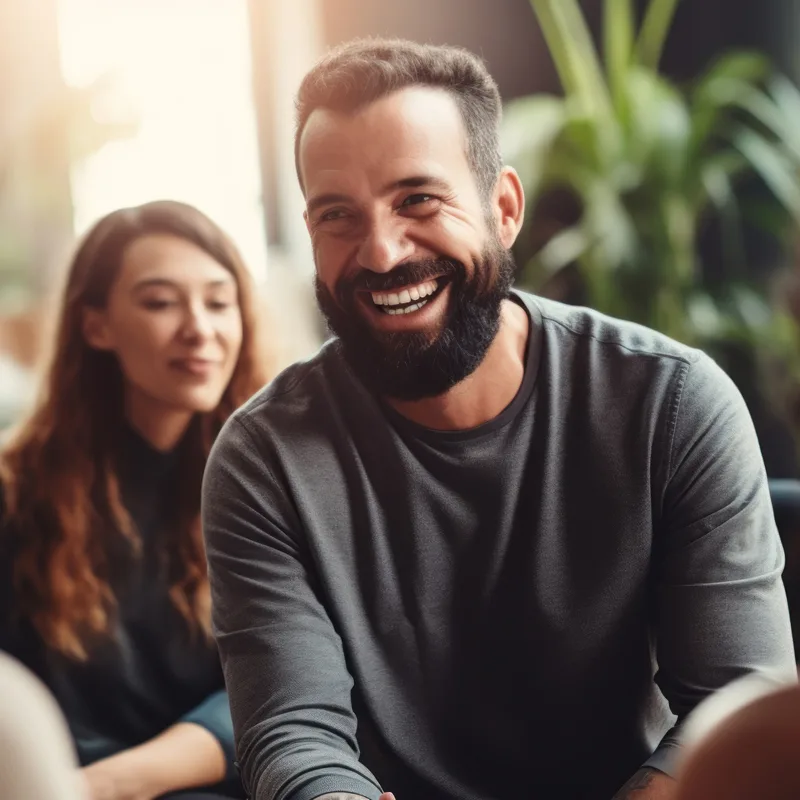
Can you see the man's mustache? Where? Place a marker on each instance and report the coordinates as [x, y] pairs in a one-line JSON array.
[[408, 273]]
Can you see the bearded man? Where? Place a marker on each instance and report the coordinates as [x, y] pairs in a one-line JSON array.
[[482, 545]]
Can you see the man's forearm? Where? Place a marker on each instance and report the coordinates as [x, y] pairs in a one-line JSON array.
[[647, 784]]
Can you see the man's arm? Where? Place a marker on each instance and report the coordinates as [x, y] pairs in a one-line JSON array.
[[288, 683], [720, 608]]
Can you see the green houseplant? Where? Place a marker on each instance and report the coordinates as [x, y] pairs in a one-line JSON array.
[[646, 162]]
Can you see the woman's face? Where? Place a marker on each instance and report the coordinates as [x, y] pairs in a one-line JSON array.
[[173, 320]]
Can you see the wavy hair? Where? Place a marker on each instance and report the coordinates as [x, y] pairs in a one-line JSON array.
[[61, 492]]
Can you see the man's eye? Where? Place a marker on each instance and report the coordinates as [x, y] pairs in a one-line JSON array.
[[332, 215], [417, 199]]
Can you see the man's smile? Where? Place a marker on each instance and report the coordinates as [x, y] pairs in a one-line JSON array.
[[406, 308]]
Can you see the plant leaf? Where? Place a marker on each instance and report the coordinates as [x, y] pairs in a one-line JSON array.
[[718, 89], [612, 233], [618, 33], [530, 127], [660, 130], [777, 171], [716, 180], [574, 54], [655, 28], [748, 66], [563, 249], [787, 98]]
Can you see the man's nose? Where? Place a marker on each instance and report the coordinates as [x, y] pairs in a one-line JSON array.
[[385, 245]]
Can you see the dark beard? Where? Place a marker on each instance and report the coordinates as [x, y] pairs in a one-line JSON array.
[[412, 366]]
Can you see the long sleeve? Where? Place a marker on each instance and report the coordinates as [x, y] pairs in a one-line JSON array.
[[284, 663], [214, 715], [721, 608]]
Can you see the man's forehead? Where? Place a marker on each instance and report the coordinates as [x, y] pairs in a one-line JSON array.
[[416, 120]]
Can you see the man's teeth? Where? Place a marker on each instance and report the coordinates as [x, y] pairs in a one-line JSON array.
[[405, 309], [418, 292]]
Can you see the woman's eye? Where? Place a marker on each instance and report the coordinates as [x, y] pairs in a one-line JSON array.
[[157, 304], [218, 305]]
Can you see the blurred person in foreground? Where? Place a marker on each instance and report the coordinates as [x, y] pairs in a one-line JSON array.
[[743, 744], [104, 593], [483, 545], [37, 754]]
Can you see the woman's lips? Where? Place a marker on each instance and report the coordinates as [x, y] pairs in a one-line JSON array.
[[196, 367]]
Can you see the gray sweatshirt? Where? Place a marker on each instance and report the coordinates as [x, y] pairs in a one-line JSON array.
[[524, 609]]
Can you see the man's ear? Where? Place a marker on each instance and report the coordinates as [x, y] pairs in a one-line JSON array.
[[95, 329], [508, 206]]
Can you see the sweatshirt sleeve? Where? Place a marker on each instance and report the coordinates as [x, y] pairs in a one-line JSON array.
[[214, 715], [283, 659], [721, 609]]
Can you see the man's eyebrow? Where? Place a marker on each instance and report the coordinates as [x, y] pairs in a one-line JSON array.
[[419, 182]]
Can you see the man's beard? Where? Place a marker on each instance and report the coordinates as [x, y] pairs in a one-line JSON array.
[[415, 365]]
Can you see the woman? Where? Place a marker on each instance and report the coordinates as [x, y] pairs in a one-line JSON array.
[[106, 596]]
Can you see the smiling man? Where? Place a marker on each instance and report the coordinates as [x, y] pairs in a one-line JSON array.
[[482, 545]]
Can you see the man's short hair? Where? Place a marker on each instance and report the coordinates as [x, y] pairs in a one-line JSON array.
[[362, 71]]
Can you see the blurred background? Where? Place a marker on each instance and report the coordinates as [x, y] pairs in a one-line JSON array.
[[662, 164]]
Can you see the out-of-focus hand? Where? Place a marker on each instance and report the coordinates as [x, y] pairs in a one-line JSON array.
[[647, 784], [108, 780], [387, 796]]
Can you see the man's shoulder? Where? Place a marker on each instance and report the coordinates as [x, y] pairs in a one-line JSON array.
[[577, 326], [295, 384], [305, 399]]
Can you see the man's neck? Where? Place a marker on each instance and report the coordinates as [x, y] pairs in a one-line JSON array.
[[481, 396]]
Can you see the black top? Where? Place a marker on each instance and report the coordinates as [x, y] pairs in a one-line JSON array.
[[153, 672], [479, 615]]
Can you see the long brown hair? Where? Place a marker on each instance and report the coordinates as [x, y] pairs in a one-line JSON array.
[[62, 499]]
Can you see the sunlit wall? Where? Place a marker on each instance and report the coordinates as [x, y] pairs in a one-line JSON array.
[[184, 69]]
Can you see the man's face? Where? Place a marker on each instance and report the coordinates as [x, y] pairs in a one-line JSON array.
[[410, 272]]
